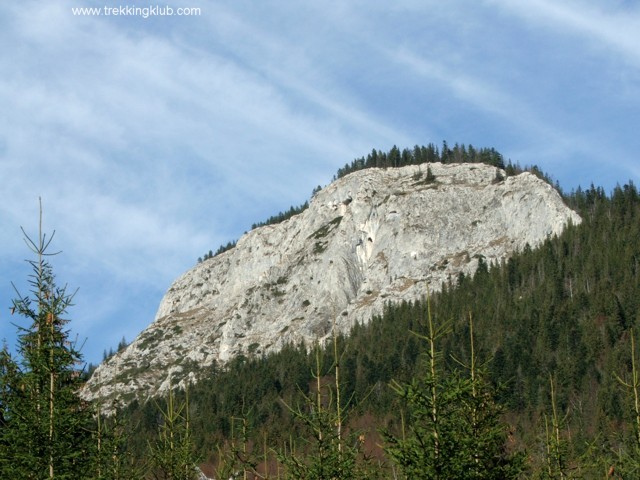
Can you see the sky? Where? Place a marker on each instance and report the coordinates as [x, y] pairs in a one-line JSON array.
[[152, 138]]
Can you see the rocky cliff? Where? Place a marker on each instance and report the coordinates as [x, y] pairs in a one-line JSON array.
[[372, 237]]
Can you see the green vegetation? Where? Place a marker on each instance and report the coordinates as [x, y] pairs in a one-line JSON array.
[[112, 460], [282, 216], [326, 229], [427, 154], [172, 453], [320, 245], [221, 249], [44, 426], [150, 340], [561, 311], [454, 421], [396, 158], [327, 450], [543, 383]]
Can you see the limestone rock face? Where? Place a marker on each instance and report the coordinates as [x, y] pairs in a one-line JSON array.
[[372, 237]]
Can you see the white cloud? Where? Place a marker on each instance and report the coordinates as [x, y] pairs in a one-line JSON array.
[[615, 26], [154, 141]]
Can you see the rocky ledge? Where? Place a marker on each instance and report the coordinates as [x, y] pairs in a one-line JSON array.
[[372, 237]]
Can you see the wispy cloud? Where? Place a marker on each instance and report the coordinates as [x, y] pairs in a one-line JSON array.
[[153, 141], [139, 141], [615, 25]]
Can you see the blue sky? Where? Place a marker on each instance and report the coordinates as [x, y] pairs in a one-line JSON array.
[[154, 140]]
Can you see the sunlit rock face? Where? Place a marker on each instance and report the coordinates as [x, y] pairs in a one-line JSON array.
[[372, 237]]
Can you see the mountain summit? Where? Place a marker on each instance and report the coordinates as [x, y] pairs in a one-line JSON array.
[[371, 237]]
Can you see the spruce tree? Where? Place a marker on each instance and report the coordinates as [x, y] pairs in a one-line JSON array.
[[627, 456], [432, 448], [172, 455], [113, 459], [45, 424], [454, 423], [329, 452]]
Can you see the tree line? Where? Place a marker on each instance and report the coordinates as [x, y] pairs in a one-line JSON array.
[[459, 153], [555, 323], [528, 369]]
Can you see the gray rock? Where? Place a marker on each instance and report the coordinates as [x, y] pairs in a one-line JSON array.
[[372, 237]]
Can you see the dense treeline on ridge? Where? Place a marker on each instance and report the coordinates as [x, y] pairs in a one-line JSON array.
[[533, 359], [397, 158], [423, 154]]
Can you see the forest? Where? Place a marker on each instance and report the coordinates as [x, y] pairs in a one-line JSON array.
[[528, 369]]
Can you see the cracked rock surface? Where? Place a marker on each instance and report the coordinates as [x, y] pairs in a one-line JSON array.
[[372, 237]]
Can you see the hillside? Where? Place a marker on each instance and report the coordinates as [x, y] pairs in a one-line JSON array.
[[371, 238], [563, 311]]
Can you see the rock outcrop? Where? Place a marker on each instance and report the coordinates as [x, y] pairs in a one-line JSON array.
[[372, 237]]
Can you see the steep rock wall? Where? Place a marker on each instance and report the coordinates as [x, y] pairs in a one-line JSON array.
[[372, 237]]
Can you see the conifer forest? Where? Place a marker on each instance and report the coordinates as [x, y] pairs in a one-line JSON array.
[[527, 369]]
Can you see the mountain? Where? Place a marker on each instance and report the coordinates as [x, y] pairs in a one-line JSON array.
[[371, 237]]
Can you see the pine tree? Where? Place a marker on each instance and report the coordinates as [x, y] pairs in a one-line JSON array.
[[430, 176], [112, 459], [45, 424], [454, 424], [329, 452], [430, 448], [173, 456], [556, 447], [628, 455], [485, 442]]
